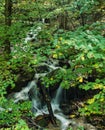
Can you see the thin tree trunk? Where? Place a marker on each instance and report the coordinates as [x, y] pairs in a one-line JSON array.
[[63, 20], [82, 19], [8, 13], [47, 100], [82, 16]]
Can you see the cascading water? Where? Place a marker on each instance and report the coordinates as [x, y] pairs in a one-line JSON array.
[[23, 94], [32, 34], [57, 99], [32, 92], [57, 111], [38, 108]]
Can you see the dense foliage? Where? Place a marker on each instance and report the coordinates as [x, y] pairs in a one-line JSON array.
[[73, 32]]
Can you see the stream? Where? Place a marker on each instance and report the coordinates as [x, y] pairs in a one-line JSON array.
[[32, 92]]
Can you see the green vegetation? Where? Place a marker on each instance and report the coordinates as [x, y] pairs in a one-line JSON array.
[[73, 32], [13, 114]]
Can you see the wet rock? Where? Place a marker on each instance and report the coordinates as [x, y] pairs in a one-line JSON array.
[[24, 75], [68, 109], [42, 120], [80, 123]]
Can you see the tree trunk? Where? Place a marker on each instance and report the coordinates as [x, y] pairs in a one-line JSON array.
[[8, 13], [82, 16], [63, 20]]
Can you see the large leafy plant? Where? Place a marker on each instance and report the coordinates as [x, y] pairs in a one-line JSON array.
[[12, 113], [85, 51]]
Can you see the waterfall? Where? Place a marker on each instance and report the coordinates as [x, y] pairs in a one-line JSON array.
[[57, 99], [57, 111], [58, 96], [31, 92], [64, 122], [23, 94], [32, 34]]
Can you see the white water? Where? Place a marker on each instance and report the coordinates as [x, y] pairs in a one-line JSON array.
[[56, 109], [32, 35], [23, 94], [32, 90], [56, 100], [64, 122], [58, 97]]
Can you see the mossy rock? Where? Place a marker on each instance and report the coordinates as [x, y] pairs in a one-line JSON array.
[[42, 120]]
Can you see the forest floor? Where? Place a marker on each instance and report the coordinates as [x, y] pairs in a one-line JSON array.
[[93, 122]]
